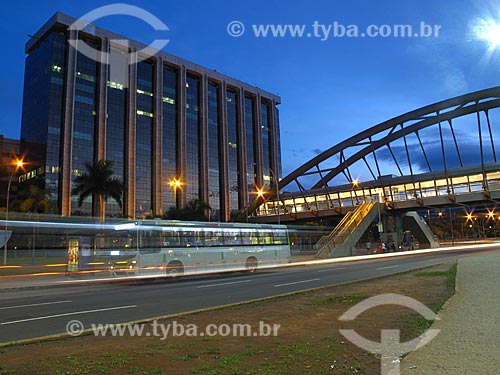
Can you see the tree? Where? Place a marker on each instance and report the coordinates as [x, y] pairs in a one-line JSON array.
[[240, 216], [34, 200], [195, 210], [98, 182]]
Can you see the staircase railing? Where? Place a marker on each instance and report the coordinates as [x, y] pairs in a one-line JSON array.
[[346, 226]]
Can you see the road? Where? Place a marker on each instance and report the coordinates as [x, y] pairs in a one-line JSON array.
[[33, 313]]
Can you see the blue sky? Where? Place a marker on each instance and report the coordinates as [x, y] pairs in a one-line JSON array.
[[330, 89]]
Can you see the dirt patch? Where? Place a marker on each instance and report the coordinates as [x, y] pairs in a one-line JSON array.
[[308, 340]]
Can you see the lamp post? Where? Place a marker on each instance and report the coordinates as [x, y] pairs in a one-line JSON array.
[[451, 227], [355, 184], [277, 194], [261, 192], [17, 163]]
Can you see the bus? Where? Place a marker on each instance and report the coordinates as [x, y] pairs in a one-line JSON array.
[[158, 247]]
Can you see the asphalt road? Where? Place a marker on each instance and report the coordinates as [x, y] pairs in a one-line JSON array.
[[33, 313]]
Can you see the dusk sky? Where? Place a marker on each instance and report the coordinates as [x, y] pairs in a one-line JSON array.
[[330, 89]]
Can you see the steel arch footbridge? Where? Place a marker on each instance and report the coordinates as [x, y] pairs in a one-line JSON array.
[[440, 155]]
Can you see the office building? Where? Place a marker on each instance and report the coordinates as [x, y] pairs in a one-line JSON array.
[[157, 118]]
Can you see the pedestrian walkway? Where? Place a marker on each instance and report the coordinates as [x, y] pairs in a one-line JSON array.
[[469, 342]]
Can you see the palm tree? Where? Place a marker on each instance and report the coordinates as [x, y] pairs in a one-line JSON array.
[[98, 182], [195, 209]]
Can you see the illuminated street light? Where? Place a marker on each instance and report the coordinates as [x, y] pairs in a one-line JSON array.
[[261, 192], [491, 215], [16, 164], [175, 184], [277, 194]]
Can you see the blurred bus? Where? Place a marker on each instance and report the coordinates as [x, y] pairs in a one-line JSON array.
[[155, 247]]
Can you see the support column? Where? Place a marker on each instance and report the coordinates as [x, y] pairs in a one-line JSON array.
[[273, 140], [102, 90], [223, 152], [181, 138], [242, 151], [157, 177], [102, 103], [398, 221], [67, 146], [130, 185], [258, 144], [204, 182]]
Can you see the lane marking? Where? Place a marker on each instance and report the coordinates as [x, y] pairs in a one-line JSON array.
[[68, 314], [386, 268], [332, 269], [296, 282], [430, 260], [35, 304], [219, 284]]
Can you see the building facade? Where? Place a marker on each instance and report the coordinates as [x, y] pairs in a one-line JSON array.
[[157, 118]]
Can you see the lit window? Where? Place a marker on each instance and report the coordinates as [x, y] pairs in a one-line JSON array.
[[86, 77], [115, 85], [144, 113], [142, 92], [168, 100]]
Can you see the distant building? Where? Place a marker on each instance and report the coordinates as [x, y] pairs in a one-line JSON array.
[[9, 151], [158, 119]]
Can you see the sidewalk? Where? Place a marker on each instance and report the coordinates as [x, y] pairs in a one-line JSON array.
[[469, 342]]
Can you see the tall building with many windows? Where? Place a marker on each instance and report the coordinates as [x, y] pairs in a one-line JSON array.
[[158, 118]]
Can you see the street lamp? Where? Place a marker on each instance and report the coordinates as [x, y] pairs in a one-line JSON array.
[[355, 184], [277, 194], [261, 192], [17, 164], [175, 183]]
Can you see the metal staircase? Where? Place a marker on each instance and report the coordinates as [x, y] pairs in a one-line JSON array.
[[340, 241]]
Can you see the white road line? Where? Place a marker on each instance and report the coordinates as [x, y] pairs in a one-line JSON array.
[[34, 304], [296, 282], [219, 284], [386, 268], [67, 314], [332, 269], [430, 260]]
